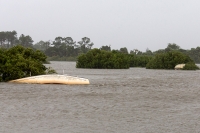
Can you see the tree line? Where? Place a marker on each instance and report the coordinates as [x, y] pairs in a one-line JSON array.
[[102, 59], [19, 57], [9, 39], [65, 48]]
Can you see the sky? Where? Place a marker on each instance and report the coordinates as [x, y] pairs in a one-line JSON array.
[[134, 24]]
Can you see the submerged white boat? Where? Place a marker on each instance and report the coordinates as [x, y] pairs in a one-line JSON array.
[[179, 66], [52, 79]]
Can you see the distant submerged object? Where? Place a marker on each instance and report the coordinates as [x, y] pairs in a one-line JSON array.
[[52, 79], [179, 66]]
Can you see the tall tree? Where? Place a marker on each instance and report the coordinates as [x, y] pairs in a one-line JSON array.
[[69, 41], [173, 46], [106, 48], [57, 42], [8, 39], [85, 44], [124, 50], [2, 39], [41, 45], [12, 38], [25, 41]]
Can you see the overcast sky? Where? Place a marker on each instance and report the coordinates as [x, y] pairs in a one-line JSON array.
[[135, 24]]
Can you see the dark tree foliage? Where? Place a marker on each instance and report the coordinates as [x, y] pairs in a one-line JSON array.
[[139, 60], [194, 54], [101, 59], [52, 51], [173, 46], [168, 60], [190, 66], [18, 62], [124, 50], [8, 39], [26, 41], [67, 47], [2, 61], [106, 48], [85, 45], [42, 45]]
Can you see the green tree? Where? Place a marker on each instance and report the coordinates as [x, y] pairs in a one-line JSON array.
[[57, 42], [18, 62], [173, 46], [148, 52], [42, 46], [71, 47], [106, 48], [51, 51], [63, 47], [168, 60], [135, 51], [139, 60], [124, 50], [85, 45], [26, 41], [102, 59], [194, 54], [8, 39], [3, 59], [2, 39], [12, 38]]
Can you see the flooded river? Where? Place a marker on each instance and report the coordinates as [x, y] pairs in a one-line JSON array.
[[135, 100]]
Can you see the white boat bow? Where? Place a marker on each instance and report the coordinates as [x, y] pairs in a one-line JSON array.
[[52, 79]]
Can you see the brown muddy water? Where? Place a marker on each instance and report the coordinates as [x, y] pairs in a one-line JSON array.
[[136, 100]]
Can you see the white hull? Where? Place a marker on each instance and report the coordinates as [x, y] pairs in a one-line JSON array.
[[52, 79], [179, 66]]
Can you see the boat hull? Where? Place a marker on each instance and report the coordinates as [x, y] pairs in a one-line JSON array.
[[52, 79], [179, 66]]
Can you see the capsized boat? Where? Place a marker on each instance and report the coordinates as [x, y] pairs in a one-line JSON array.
[[52, 79], [179, 66]]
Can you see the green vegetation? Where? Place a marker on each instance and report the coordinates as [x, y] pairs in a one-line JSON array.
[[97, 58], [18, 62], [190, 66], [49, 70], [169, 60], [193, 53], [66, 49], [9, 39], [138, 60]]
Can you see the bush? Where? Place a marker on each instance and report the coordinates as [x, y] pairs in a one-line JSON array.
[[101, 59], [190, 66], [49, 70], [168, 60], [18, 62], [139, 60]]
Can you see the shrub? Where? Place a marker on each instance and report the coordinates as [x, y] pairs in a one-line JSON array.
[[190, 66], [139, 60], [49, 70], [101, 59], [18, 62], [168, 60]]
